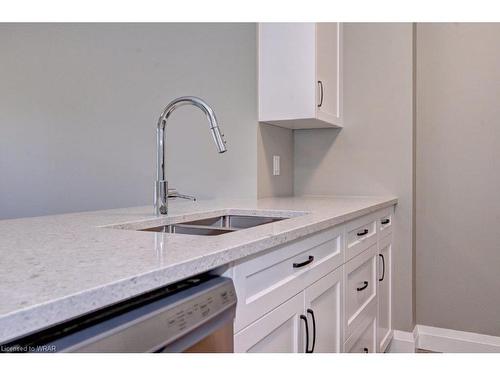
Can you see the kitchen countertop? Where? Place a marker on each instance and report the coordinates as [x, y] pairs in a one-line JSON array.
[[54, 268]]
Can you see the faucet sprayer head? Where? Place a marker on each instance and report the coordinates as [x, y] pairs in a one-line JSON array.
[[218, 136]]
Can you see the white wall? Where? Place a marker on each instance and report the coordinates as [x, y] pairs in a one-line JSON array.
[[458, 179], [79, 105], [372, 155]]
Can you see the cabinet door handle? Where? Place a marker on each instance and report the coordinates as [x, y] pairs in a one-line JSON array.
[[383, 267], [385, 221], [310, 311], [320, 94], [304, 318], [365, 285], [304, 263], [362, 233], [365, 350]]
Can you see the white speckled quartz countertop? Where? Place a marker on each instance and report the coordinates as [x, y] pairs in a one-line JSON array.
[[54, 268]]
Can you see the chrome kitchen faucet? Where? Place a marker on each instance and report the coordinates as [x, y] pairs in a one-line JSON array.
[[161, 186]]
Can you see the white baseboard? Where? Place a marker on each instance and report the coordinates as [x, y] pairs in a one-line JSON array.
[[402, 342], [451, 341], [443, 340]]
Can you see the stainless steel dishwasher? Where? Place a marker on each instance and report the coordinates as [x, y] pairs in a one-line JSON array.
[[194, 315]]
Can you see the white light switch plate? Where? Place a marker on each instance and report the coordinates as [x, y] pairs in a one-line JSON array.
[[276, 165]]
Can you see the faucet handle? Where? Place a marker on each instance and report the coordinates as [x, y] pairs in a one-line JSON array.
[[173, 193]]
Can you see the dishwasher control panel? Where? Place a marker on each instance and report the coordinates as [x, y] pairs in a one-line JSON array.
[[198, 309]]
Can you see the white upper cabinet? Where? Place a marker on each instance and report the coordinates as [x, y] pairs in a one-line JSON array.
[[300, 74]]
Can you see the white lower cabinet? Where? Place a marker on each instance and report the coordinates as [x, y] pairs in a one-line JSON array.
[[310, 322], [329, 292]]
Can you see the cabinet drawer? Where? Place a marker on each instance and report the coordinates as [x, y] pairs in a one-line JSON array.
[[363, 340], [360, 235], [384, 222], [266, 281], [360, 285]]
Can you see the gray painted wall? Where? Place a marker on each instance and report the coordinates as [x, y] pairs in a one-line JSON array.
[[372, 155], [458, 180], [79, 104]]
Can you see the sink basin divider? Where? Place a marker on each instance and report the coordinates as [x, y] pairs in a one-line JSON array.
[[205, 227]]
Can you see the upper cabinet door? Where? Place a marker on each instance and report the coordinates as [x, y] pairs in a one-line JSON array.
[[329, 72], [300, 74], [323, 303]]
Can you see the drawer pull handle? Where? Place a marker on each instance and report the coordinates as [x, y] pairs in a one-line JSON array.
[[365, 350], [304, 318], [304, 263], [383, 267], [320, 94], [365, 285], [310, 311], [385, 221], [364, 232]]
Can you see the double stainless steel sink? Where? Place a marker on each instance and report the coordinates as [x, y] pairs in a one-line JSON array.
[[216, 225]]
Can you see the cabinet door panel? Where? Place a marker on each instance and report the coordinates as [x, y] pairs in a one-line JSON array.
[[279, 331], [286, 71], [280, 340], [384, 330], [328, 71], [324, 300]]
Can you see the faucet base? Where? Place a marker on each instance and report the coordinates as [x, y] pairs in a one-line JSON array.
[[161, 195]]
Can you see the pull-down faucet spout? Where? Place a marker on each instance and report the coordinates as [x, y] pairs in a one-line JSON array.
[[161, 186]]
